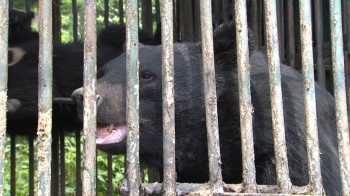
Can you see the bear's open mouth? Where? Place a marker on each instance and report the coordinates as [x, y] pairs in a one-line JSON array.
[[110, 134]]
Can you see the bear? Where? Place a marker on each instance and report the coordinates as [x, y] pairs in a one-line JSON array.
[[191, 152], [20, 27], [22, 104]]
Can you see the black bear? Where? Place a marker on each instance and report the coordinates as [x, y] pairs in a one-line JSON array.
[[20, 27], [191, 137], [67, 66]]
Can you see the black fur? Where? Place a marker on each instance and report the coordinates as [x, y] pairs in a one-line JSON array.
[[20, 29], [191, 137]]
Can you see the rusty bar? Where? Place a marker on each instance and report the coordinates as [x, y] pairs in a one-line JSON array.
[[62, 165], [89, 155], [168, 98], [246, 119], [31, 165], [340, 94], [121, 11], [215, 177], [309, 98], [45, 98], [110, 174], [132, 97], [3, 86], [321, 73], [290, 34], [106, 12], [78, 185], [272, 50], [75, 20], [13, 165]]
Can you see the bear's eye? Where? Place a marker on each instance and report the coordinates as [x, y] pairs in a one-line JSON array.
[[147, 76]]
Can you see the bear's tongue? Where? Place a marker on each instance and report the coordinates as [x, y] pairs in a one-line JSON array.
[[109, 134]]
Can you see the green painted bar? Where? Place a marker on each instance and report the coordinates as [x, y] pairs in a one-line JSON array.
[[215, 176], [272, 51], [89, 127], [45, 98], [340, 94], [3, 87], [169, 182], [132, 97], [309, 98]]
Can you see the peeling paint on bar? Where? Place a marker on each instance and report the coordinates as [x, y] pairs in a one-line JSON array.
[[169, 182], [321, 73], [132, 97], [215, 176], [89, 157], [245, 103], [3, 87], [45, 98], [309, 99], [340, 94], [282, 171]]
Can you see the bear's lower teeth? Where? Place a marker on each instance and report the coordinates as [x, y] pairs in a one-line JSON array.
[[110, 128]]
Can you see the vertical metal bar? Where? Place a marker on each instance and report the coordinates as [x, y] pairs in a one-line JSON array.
[[309, 98], [121, 11], [110, 174], [31, 166], [106, 12], [132, 97], [290, 34], [169, 182], [347, 62], [3, 86], [246, 119], [340, 94], [78, 189], [75, 20], [319, 42], [13, 165], [272, 49], [56, 20], [62, 165], [147, 15], [215, 177], [45, 98], [280, 22], [89, 156], [28, 4]]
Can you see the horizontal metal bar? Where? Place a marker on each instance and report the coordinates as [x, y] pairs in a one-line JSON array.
[[63, 100]]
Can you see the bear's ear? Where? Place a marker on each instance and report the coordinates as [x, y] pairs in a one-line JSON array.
[[224, 38], [15, 55]]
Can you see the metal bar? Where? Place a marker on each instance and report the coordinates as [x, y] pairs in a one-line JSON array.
[[31, 165], [340, 94], [246, 119], [121, 12], [78, 189], [255, 22], [321, 73], [56, 20], [132, 97], [347, 62], [45, 98], [169, 171], [3, 86], [54, 163], [62, 165], [110, 174], [147, 15], [106, 12], [215, 176], [309, 98], [290, 34], [75, 20], [272, 49], [13, 165], [28, 5], [89, 155]]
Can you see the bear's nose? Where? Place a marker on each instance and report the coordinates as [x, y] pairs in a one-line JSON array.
[[78, 97]]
